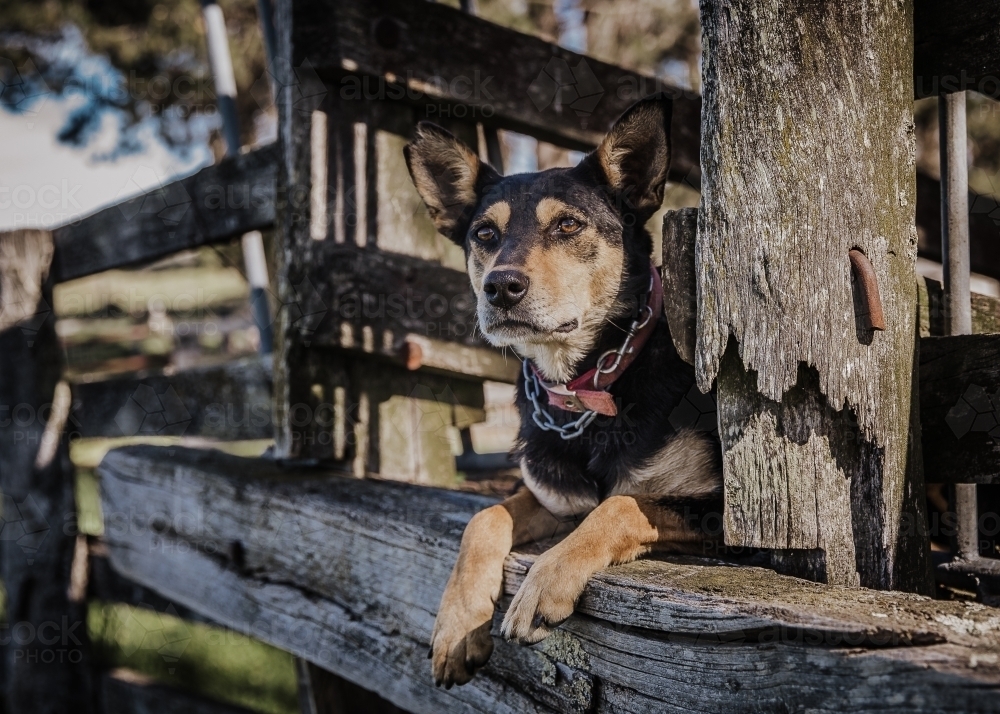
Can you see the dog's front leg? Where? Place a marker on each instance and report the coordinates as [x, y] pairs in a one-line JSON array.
[[618, 531], [461, 641]]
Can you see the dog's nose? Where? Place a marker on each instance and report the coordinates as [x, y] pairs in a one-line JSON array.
[[505, 288]]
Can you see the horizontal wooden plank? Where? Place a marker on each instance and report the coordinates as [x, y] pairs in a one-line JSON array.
[[372, 300], [960, 408], [229, 402], [956, 47], [347, 574], [487, 72], [106, 584], [427, 354], [930, 300], [216, 204]]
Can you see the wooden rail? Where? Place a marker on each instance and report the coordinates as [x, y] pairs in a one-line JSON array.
[[960, 408], [347, 574], [502, 77], [230, 402], [216, 204]]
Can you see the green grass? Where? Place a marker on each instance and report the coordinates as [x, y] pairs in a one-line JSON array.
[[214, 662]]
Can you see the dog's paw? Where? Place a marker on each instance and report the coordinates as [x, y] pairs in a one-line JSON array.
[[460, 645], [547, 596]]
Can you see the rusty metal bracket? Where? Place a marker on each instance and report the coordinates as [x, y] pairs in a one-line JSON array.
[[864, 273]]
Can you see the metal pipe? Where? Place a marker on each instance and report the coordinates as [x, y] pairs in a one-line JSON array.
[[955, 213], [266, 11], [956, 265], [222, 73], [225, 90]]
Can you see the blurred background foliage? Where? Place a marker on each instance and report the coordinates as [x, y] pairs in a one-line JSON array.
[[157, 43]]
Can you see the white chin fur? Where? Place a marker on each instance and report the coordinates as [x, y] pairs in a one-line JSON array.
[[554, 356]]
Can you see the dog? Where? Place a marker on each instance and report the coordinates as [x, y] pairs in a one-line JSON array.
[[560, 264]]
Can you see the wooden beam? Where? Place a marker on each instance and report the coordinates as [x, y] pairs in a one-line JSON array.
[[229, 402], [650, 636], [960, 408], [815, 408], [216, 204], [680, 288], [106, 584], [484, 72], [37, 552], [930, 299], [956, 47], [351, 297], [333, 408]]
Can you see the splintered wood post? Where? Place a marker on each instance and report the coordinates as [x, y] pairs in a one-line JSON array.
[[45, 648], [808, 153], [680, 228]]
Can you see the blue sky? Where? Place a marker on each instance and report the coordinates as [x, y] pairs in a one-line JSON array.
[[46, 182]]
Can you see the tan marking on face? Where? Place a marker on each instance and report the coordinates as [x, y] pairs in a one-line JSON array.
[[498, 214], [549, 209], [564, 287], [476, 270]]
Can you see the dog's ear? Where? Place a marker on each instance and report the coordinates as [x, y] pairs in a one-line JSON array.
[[635, 155], [449, 177]]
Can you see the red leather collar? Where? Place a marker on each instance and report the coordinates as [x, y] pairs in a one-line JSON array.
[[588, 391]]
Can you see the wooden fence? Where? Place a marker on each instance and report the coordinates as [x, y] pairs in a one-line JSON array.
[[346, 572]]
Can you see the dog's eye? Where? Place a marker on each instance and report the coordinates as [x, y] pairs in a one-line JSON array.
[[486, 233], [568, 225]]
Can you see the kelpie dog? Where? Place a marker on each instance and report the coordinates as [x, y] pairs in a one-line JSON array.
[[560, 265]]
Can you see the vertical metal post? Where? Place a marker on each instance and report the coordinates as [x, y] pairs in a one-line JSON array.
[[225, 89], [266, 11], [222, 73], [955, 259]]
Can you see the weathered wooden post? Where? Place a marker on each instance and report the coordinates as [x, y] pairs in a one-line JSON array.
[[45, 646], [808, 153]]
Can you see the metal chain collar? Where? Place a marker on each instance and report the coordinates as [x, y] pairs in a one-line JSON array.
[[541, 416], [573, 429]]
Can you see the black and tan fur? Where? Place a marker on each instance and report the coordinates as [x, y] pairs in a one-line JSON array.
[[559, 261]]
